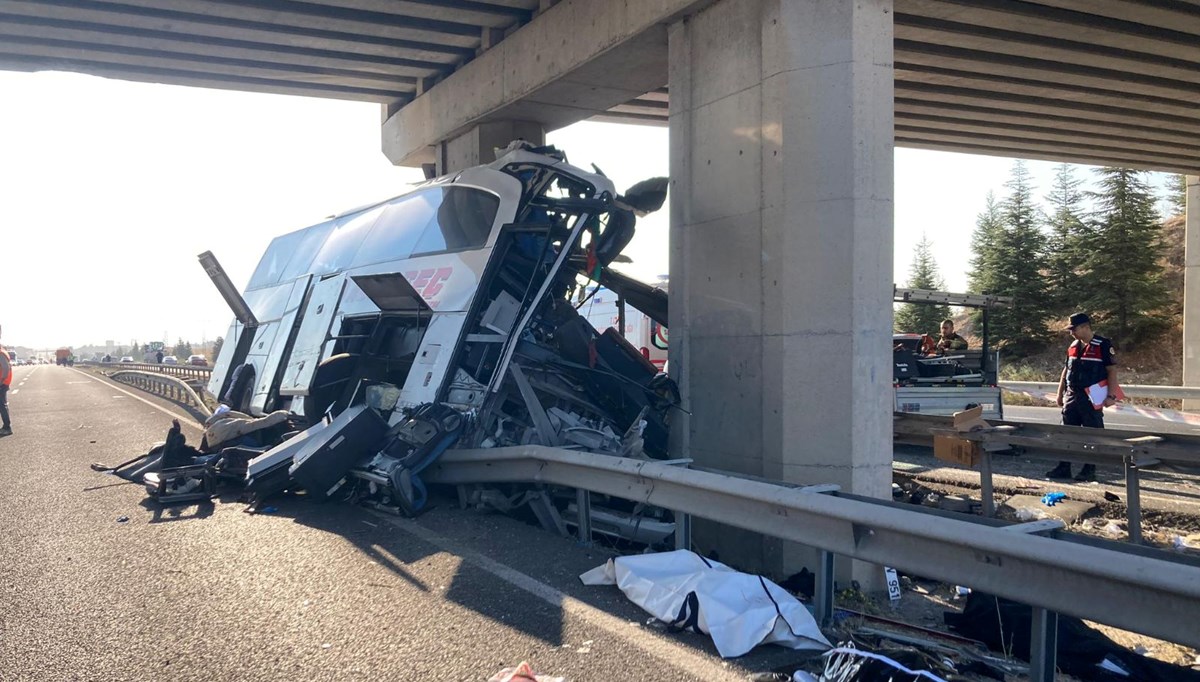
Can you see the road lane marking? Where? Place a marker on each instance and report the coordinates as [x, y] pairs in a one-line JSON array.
[[160, 408], [677, 656]]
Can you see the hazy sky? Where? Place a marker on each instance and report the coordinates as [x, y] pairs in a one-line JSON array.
[[109, 190]]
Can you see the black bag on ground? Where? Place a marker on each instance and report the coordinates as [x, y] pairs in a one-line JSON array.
[[1005, 627]]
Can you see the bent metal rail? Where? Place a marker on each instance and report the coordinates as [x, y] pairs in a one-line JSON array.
[[185, 371], [169, 387], [1149, 591]]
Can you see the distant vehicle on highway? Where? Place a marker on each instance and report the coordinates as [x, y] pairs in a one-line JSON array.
[[170, 360], [63, 356], [197, 360], [127, 359]]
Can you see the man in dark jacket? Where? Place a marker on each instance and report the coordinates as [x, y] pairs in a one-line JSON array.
[[1088, 385]]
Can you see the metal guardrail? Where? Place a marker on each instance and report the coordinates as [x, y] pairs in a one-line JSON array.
[[1132, 450], [1149, 591], [165, 385], [186, 371], [1131, 390]]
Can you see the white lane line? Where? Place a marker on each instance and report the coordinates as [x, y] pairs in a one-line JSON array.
[[677, 656], [160, 408], [14, 391]]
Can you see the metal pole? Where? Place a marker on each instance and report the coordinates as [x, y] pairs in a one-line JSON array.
[[985, 484], [583, 505], [823, 589], [621, 316], [683, 531], [1043, 645], [1133, 500]]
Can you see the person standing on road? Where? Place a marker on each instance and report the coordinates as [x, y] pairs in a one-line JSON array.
[[1089, 363], [6, 375]]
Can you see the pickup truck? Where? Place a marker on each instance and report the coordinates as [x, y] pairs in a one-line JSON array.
[[927, 382]]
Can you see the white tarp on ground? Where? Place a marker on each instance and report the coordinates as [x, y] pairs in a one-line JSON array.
[[738, 610]]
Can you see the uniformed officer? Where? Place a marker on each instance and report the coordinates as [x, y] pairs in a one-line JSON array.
[[1090, 367]]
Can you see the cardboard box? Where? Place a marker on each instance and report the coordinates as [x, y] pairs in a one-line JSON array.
[[960, 450], [956, 450]]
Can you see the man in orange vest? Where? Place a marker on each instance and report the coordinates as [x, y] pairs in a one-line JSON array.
[[6, 374]]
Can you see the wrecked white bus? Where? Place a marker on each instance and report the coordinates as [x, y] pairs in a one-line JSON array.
[[457, 294]]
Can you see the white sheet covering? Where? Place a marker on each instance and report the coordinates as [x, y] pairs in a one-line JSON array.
[[738, 610]]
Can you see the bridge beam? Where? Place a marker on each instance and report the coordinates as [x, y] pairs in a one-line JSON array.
[[574, 60], [781, 151], [1191, 291], [477, 145]]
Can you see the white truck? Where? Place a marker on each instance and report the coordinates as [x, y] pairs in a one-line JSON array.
[[929, 382]]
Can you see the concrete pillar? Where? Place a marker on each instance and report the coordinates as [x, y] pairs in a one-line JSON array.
[[781, 127], [479, 144], [1191, 291]]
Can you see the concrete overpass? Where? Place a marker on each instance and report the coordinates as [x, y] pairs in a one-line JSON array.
[[783, 117]]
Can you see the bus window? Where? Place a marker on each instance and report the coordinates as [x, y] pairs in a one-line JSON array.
[[464, 221], [302, 255], [399, 227], [270, 268], [342, 244]]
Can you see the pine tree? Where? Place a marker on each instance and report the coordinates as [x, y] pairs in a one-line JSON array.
[[988, 226], [1068, 234], [1017, 270], [216, 348], [922, 274], [1126, 290], [1177, 195]]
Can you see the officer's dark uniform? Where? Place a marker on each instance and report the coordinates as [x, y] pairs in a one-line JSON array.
[[1087, 365]]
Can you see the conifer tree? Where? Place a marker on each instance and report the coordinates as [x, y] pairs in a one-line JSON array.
[[984, 239], [922, 274], [1017, 270], [1065, 244], [1122, 267], [1177, 195]]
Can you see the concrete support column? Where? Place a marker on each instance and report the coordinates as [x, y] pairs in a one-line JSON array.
[[781, 127], [479, 144], [1191, 291]]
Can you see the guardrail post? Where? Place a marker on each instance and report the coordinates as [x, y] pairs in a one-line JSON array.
[[985, 483], [1133, 500], [583, 506], [1043, 646], [683, 530], [823, 589]]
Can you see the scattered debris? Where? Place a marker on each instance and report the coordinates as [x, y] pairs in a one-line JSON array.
[[1111, 497], [738, 610], [1031, 508], [394, 349], [958, 503], [122, 519], [522, 673], [1005, 627], [1051, 499]]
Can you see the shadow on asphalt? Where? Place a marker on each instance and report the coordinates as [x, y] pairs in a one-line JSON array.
[[471, 587], [167, 513]]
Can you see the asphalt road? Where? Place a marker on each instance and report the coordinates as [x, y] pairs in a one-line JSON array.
[[311, 592], [1113, 419]]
